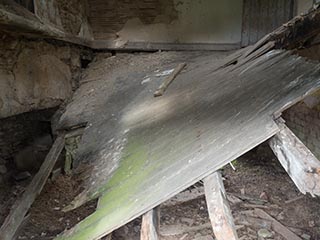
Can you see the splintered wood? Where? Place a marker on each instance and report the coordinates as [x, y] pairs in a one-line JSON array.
[[21, 207], [219, 209], [150, 225], [302, 166]]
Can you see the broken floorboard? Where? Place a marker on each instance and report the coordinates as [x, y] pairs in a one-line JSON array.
[[219, 209], [21, 207], [144, 150], [300, 163]]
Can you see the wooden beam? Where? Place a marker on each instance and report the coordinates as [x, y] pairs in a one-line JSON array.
[[22, 205], [30, 26], [218, 207], [150, 225], [300, 163]]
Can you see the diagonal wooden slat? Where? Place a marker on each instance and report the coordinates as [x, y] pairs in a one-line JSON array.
[[21, 207], [150, 225], [219, 209]]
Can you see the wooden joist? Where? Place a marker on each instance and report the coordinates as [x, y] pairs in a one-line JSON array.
[[302, 166], [218, 207], [150, 225], [21, 207]]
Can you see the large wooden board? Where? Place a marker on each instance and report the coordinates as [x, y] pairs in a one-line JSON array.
[[144, 150]]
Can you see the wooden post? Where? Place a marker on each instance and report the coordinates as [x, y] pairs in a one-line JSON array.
[[302, 166], [22, 205], [150, 225], [218, 207]]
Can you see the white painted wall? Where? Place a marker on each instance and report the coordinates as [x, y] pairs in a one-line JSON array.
[[303, 6], [199, 21]]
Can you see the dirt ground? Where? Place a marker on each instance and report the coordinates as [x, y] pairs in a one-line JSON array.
[[258, 182]]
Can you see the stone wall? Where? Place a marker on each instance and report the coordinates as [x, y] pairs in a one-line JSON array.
[[74, 17], [36, 75], [304, 120], [20, 131], [69, 15]]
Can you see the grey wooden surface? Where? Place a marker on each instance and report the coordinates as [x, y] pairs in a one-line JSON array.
[[143, 150]]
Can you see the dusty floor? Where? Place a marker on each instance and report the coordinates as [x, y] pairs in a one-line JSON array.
[[259, 181]]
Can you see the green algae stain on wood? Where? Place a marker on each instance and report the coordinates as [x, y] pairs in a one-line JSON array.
[[133, 169]]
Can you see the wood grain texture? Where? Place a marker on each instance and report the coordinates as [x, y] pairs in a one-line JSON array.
[[21, 207], [219, 209], [299, 162], [150, 225], [144, 150]]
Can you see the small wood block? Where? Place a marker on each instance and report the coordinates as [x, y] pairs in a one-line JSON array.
[[300, 163], [150, 225], [160, 91], [219, 209]]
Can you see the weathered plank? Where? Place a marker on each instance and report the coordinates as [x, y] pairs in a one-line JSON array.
[[300, 163], [219, 209], [21, 207], [150, 225], [169, 79], [144, 150]]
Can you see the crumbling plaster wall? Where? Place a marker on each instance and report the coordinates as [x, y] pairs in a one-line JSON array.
[[35, 74], [303, 5], [167, 21], [68, 15]]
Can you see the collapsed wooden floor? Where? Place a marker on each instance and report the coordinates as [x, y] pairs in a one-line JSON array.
[[205, 119], [143, 150]]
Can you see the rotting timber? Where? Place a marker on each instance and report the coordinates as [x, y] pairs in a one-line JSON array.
[[144, 150]]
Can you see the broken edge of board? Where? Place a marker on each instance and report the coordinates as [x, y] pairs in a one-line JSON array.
[[299, 162]]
